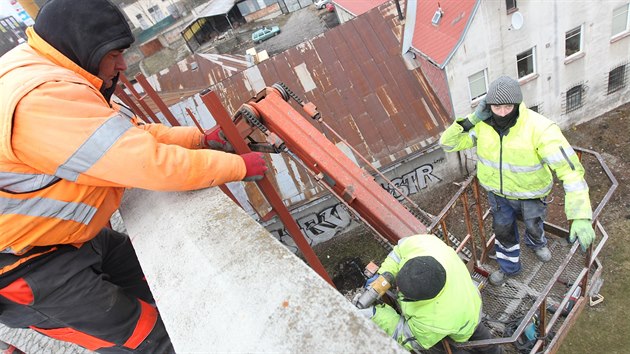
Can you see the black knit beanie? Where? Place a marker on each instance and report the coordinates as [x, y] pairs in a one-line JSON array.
[[83, 30], [421, 278], [504, 90]]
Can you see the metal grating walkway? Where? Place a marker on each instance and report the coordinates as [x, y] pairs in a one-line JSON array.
[[505, 305]]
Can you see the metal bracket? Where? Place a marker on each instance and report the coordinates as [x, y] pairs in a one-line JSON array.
[[595, 299]]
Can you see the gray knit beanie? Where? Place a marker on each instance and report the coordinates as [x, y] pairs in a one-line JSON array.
[[504, 90], [421, 278]]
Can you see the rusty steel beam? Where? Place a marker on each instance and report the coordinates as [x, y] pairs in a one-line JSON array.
[[368, 163], [192, 116], [120, 93], [222, 117], [554, 345], [124, 97], [349, 182], [139, 98], [224, 188], [149, 91]]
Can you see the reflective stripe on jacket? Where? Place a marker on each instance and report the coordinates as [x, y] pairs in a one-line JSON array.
[[517, 165], [454, 312], [66, 155]]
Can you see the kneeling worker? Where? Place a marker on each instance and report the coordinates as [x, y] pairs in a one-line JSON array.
[[436, 296]]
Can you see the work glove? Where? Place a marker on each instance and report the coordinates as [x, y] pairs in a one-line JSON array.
[[582, 229], [368, 311], [215, 140], [482, 112], [255, 166]]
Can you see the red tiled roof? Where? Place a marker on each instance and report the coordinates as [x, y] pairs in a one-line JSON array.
[[438, 42], [358, 7]]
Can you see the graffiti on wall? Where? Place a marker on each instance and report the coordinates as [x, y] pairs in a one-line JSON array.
[[412, 182], [318, 227], [325, 224]]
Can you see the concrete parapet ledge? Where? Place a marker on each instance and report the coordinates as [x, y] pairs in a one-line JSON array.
[[222, 283], [32, 342]]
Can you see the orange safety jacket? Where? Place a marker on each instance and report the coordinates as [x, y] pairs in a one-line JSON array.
[[66, 154]]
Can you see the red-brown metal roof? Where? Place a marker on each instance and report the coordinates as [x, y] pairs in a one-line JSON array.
[[439, 42], [362, 86], [359, 7], [358, 79], [199, 71]]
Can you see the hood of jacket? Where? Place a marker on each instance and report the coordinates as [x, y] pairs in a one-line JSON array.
[[83, 31]]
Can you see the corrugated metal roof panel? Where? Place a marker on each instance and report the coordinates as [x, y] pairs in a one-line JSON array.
[[362, 87], [200, 71], [356, 76], [217, 7]]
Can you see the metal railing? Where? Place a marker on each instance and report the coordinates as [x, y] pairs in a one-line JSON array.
[[551, 331]]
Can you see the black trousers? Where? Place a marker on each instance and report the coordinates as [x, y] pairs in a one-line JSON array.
[[94, 296]]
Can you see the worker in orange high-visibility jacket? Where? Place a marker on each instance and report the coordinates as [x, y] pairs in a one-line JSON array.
[[67, 153]]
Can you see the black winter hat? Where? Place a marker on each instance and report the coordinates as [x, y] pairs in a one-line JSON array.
[[421, 278], [504, 90], [83, 30]]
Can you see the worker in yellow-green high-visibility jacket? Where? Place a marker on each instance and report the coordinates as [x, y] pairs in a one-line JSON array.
[[517, 148], [436, 297]]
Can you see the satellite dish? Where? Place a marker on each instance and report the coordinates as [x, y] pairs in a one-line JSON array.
[[517, 20]]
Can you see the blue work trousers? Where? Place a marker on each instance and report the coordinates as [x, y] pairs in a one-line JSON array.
[[507, 242]]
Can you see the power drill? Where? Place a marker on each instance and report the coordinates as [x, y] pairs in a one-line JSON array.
[[569, 306], [375, 290]]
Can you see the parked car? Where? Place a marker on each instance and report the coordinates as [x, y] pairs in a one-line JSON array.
[[320, 4], [265, 33]]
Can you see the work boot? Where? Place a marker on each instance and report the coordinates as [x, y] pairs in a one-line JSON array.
[[498, 277], [543, 254]]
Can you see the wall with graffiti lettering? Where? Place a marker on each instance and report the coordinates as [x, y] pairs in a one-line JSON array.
[[412, 182], [328, 218]]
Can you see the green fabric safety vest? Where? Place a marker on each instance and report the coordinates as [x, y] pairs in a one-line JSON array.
[[518, 165], [454, 312]]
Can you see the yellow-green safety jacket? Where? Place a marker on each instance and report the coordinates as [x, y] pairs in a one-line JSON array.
[[454, 312], [518, 165]]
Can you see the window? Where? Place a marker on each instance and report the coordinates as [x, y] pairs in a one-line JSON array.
[[617, 79], [156, 13], [510, 5], [574, 98], [477, 85], [620, 20], [526, 63], [142, 21], [573, 41]]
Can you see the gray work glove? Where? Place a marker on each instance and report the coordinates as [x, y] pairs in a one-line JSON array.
[[482, 112]]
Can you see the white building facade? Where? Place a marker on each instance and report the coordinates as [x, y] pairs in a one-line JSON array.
[[146, 13], [570, 59]]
